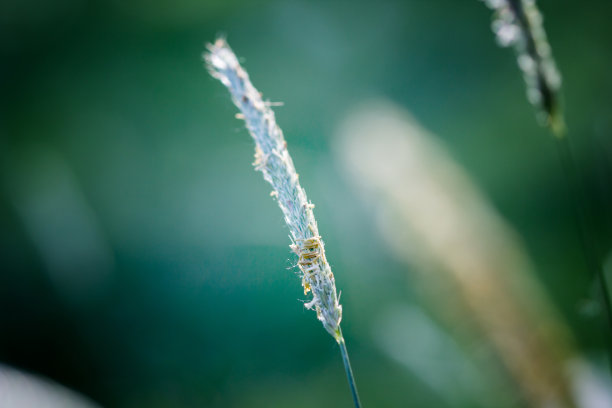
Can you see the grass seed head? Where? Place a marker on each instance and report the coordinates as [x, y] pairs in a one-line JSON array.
[[273, 160]]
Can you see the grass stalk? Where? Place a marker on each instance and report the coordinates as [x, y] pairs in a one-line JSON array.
[[577, 195], [273, 160], [348, 369]]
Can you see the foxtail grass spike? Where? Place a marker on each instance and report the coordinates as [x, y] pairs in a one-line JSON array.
[[273, 160], [518, 23]]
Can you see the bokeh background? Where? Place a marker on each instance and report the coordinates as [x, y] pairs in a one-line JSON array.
[[143, 262]]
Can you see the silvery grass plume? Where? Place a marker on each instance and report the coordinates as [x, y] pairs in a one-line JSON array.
[[518, 23], [273, 160], [475, 272]]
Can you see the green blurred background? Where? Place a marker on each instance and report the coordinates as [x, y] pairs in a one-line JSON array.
[[143, 261]]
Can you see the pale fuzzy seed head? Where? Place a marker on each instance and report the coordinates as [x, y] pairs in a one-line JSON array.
[[519, 23], [274, 161]]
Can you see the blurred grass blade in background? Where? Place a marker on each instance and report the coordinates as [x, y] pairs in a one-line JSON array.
[[472, 262], [22, 390], [61, 223], [410, 336]]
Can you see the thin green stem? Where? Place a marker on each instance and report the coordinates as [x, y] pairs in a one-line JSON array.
[[578, 198], [347, 368]]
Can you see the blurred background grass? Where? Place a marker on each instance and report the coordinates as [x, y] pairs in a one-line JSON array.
[[143, 262]]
